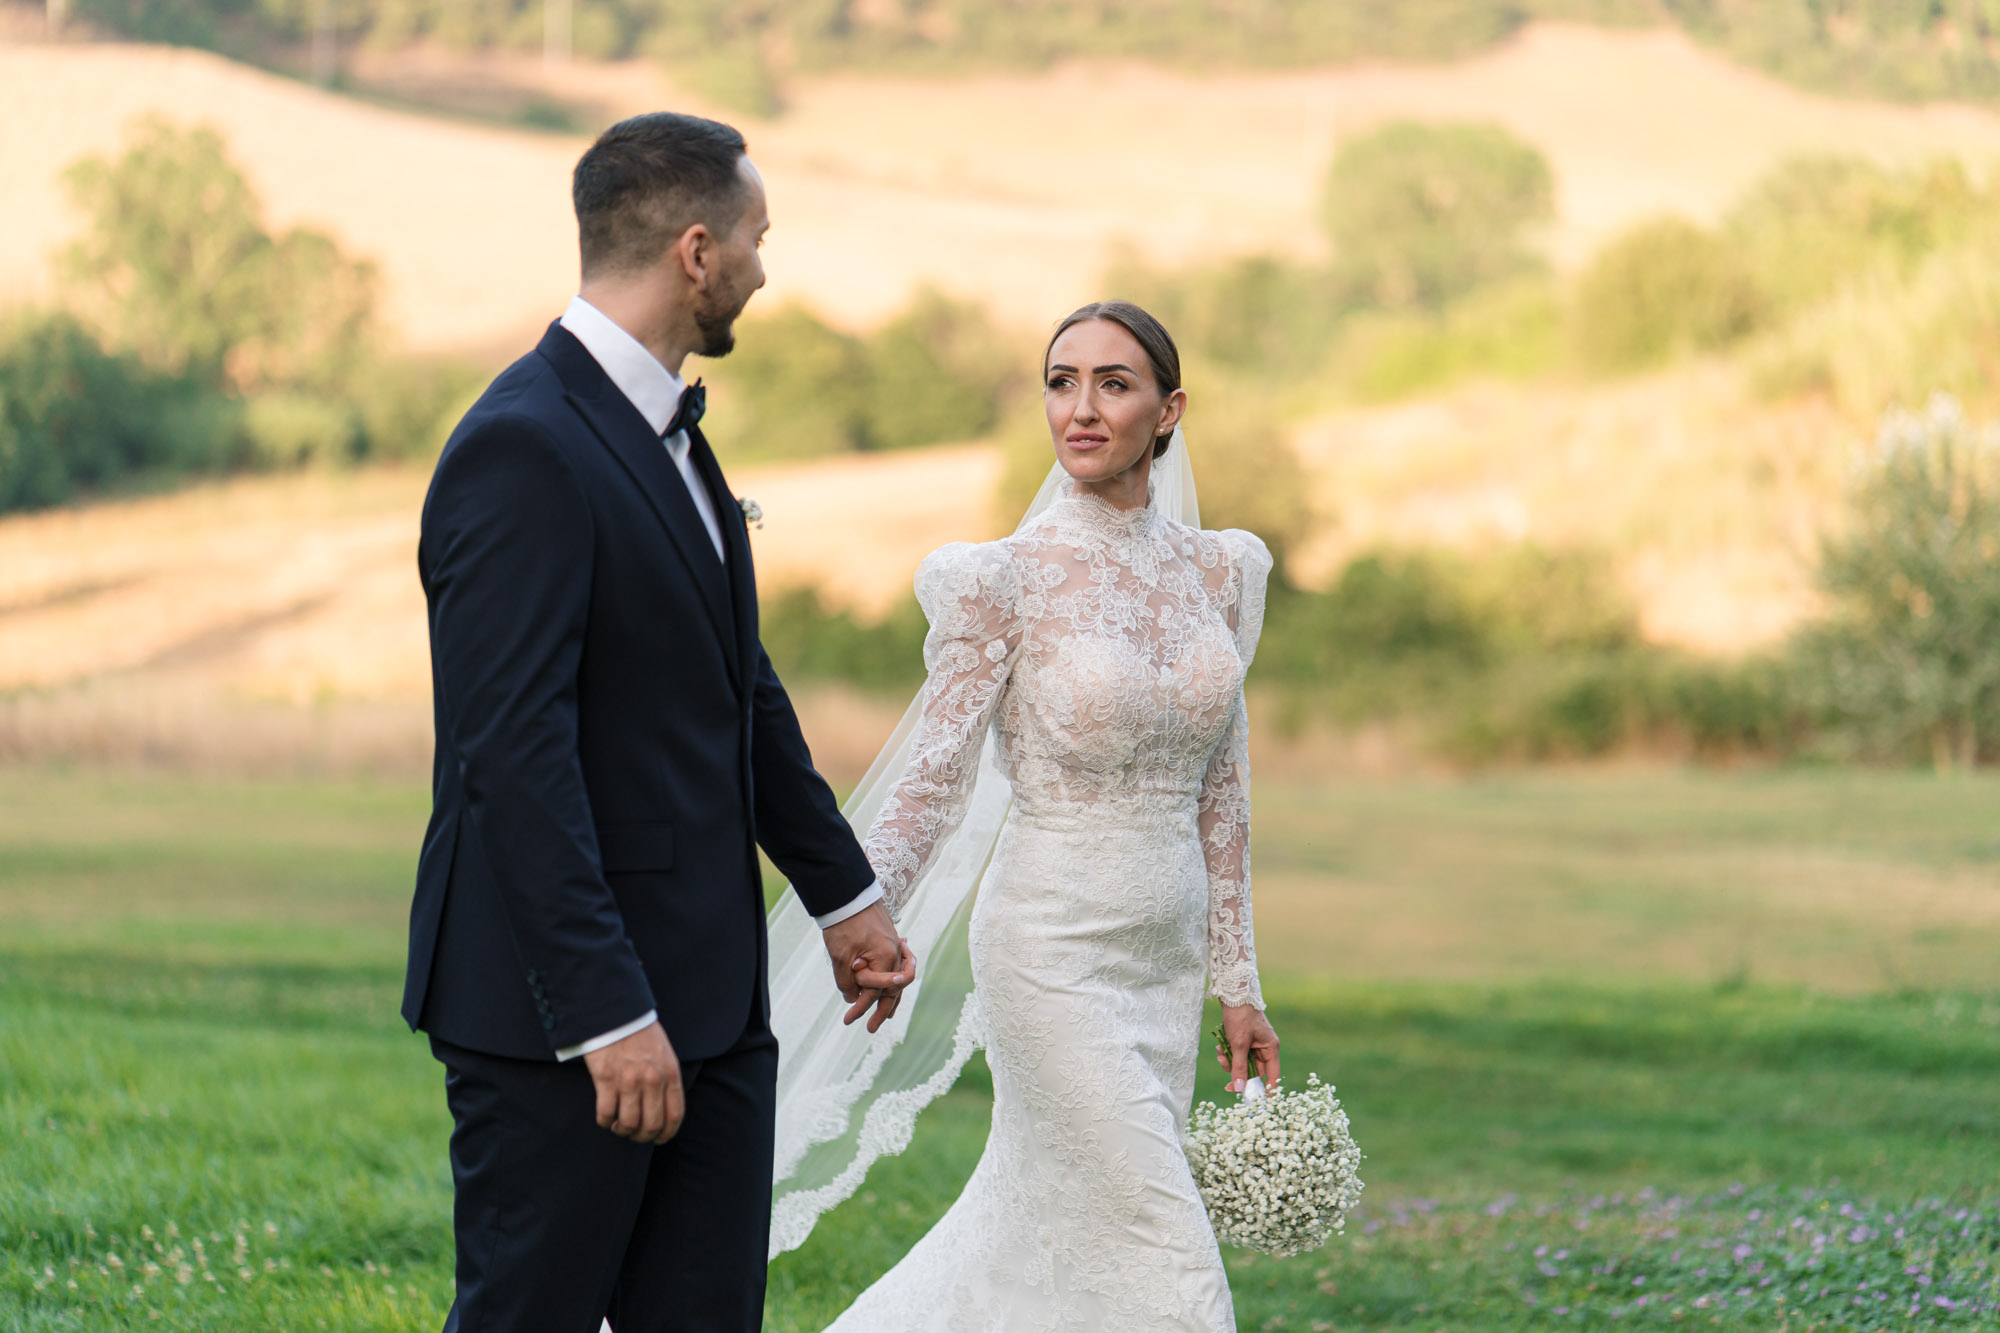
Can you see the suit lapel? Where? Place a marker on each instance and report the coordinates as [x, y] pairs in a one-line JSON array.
[[625, 433], [736, 541]]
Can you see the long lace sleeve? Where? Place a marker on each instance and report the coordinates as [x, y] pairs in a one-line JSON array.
[[968, 593], [1224, 809]]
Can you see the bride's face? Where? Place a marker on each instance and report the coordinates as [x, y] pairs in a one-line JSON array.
[[1105, 409]]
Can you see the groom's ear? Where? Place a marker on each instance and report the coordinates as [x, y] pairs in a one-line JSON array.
[[693, 252]]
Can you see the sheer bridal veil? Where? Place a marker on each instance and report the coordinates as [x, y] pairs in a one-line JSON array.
[[845, 1097]]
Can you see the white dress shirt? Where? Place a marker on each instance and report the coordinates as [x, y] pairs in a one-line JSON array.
[[656, 392]]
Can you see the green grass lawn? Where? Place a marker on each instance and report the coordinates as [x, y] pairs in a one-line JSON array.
[[1600, 1043]]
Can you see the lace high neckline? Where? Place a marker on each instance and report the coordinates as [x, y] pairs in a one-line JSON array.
[[1091, 510]]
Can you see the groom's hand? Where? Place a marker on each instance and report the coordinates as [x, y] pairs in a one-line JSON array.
[[871, 964], [638, 1086]]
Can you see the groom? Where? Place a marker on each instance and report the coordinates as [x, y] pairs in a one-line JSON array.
[[587, 949]]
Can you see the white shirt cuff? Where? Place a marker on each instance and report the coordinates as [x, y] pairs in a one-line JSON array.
[[868, 898], [638, 1024]]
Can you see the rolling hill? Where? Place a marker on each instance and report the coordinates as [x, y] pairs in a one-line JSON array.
[[1010, 189]]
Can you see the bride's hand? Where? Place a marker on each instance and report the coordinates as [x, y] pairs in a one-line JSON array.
[[1251, 1037]]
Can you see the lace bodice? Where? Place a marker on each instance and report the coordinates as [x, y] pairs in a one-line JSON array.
[[1106, 650]]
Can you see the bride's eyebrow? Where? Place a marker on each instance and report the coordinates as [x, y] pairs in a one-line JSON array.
[[1053, 369], [1116, 365]]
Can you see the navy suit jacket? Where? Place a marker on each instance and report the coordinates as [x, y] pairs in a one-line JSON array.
[[612, 743]]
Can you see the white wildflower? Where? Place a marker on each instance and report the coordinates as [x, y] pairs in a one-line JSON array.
[[1279, 1174]]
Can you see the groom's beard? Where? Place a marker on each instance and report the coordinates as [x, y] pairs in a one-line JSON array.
[[717, 322]]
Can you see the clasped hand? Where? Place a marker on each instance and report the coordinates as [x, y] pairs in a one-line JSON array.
[[638, 1079], [872, 964]]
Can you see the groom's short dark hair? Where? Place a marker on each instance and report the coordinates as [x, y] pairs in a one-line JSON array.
[[647, 180]]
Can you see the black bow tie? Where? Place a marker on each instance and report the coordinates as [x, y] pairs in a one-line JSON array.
[[687, 413]]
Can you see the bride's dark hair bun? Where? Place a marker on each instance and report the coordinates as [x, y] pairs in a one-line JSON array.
[[1151, 335]]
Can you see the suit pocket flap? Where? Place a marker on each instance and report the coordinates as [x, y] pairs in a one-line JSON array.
[[636, 846]]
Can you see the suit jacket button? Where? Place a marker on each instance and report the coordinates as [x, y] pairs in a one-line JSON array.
[[548, 1023]]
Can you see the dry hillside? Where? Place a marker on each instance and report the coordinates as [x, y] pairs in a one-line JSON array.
[[302, 587], [1011, 189], [272, 621]]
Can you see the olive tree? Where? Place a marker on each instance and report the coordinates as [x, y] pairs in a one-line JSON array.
[[1907, 662]]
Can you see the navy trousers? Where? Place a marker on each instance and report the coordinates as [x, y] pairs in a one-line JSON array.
[[561, 1224]]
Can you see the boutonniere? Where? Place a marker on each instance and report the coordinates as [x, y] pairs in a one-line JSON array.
[[753, 513]]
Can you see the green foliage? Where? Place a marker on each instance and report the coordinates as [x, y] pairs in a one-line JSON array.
[[75, 417], [1246, 471], [1664, 288], [216, 344], [737, 77], [740, 52], [795, 387], [1256, 313], [1885, 278], [1881, 339], [808, 640], [1929, 49], [1432, 279], [939, 371], [1513, 330], [1419, 215], [1521, 655], [1908, 662], [176, 264], [1815, 223]]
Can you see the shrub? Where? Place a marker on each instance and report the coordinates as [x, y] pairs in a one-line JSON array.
[[1662, 289], [1259, 314], [937, 372], [75, 417], [1908, 660], [1511, 330], [1817, 223], [287, 430], [1246, 471], [1421, 214], [795, 387], [1882, 340], [808, 640]]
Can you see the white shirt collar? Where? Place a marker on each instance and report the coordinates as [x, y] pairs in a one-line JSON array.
[[652, 388]]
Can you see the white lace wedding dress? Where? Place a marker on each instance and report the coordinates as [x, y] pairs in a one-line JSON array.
[[1107, 650]]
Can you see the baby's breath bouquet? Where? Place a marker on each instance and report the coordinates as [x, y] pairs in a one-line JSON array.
[[1278, 1170]]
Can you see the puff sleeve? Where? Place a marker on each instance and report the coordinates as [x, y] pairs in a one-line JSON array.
[[969, 594]]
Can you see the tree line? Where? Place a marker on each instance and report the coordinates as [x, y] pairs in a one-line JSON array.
[[743, 50]]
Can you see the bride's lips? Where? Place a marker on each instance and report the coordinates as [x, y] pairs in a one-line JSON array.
[[1086, 442]]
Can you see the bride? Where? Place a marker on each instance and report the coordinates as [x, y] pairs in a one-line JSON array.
[[1103, 646]]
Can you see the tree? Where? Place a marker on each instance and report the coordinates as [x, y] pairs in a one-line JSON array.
[[176, 265], [1908, 661], [1421, 214]]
